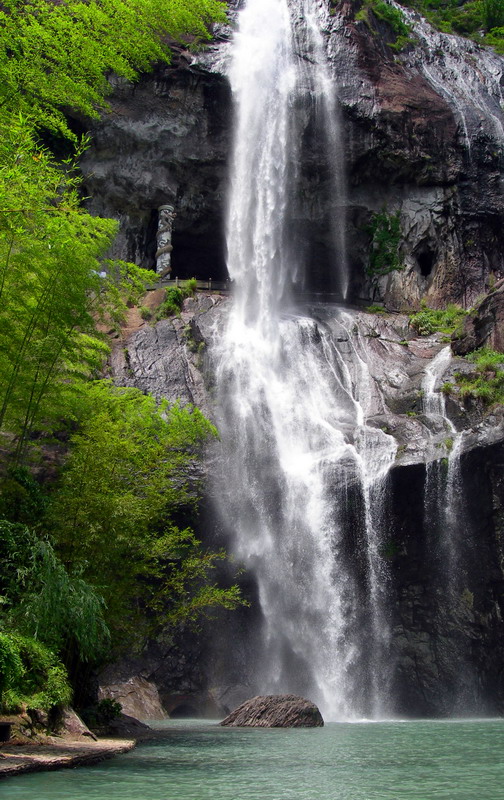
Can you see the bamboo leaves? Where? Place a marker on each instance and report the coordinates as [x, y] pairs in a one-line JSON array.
[[58, 55]]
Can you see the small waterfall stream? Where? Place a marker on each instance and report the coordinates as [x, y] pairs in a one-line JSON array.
[[447, 62], [446, 529], [304, 474]]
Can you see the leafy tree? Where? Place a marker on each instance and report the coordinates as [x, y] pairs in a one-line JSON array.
[[41, 599], [125, 484], [493, 13], [51, 292], [22, 499]]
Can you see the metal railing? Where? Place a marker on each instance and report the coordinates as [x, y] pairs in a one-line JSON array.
[[208, 285]]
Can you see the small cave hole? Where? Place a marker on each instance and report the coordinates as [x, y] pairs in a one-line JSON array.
[[425, 261]]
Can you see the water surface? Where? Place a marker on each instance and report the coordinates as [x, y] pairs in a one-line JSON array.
[[421, 760]]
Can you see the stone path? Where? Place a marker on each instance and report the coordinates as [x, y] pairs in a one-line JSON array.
[[16, 759]]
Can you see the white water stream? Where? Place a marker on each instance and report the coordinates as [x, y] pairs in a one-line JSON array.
[[445, 525], [303, 471]]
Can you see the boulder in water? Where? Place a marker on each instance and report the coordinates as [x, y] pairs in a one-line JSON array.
[[275, 711]]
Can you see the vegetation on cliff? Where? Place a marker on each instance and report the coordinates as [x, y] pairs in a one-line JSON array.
[[100, 555], [484, 382], [480, 20], [442, 320], [384, 257]]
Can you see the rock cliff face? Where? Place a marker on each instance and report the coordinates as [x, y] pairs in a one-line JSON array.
[[423, 134], [165, 141], [448, 637]]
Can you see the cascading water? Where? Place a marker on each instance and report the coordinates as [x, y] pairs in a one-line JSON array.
[[447, 533], [304, 473]]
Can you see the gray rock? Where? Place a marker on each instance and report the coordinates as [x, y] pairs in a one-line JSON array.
[[73, 727], [125, 726], [275, 711], [138, 697]]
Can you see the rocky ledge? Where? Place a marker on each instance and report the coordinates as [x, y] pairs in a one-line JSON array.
[[35, 757], [275, 711]]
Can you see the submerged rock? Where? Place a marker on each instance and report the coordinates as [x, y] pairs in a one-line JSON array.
[[275, 711]]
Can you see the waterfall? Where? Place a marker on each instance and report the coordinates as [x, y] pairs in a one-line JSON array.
[[304, 476], [447, 535]]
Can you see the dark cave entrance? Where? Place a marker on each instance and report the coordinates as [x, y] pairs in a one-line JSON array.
[[184, 711], [425, 258]]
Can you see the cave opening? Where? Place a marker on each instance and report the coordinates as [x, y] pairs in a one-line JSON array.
[[425, 261], [200, 255], [184, 711]]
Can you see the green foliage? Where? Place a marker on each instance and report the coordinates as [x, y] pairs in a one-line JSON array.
[[63, 610], [432, 320], [190, 286], [17, 544], [495, 39], [126, 478], [486, 359], [101, 714], [493, 14], [51, 293], [122, 286], [11, 666], [30, 675], [183, 590], [55, 57], [21, 497], [385, 232], [174, 299], [145, 312], [58, 55], [471, 19], [42, 600], [172, 303], [487, 381], [394, 18]]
